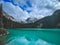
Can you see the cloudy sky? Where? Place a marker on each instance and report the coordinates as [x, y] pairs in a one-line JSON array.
[[22, 9]]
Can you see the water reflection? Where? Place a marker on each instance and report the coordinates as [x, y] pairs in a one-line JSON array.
[[25, 41]]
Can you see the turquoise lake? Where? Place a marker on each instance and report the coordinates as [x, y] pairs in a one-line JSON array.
[[33, 36]]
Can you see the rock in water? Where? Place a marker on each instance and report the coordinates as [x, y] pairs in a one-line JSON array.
[[3, 32]]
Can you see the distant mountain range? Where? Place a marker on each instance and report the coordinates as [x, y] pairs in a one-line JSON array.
[[52, 21], [31, 20]]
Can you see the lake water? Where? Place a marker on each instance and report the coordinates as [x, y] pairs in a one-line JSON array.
[[33, 36]]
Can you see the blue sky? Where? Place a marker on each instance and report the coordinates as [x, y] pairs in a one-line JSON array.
[[23, 9]]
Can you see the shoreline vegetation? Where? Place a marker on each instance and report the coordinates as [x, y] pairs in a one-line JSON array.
[[3, 31]]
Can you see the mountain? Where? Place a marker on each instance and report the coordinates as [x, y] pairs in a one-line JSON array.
[[10, 22], [7, 16], [31, 20], [46, 22], [11, 18], [50, 21]]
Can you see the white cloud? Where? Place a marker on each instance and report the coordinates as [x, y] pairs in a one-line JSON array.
[[39, 9], [14, 11], [44, 8], [1, 1], [57, 6], [19, 2]]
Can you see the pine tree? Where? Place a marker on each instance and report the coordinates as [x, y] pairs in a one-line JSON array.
[[1, 17]]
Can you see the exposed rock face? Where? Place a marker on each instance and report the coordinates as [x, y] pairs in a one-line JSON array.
[[7, 16], [31, 20]]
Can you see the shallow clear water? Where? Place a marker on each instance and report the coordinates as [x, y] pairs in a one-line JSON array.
[[33, 37]]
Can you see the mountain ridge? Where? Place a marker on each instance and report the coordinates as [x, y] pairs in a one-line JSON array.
[[46, 22]]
